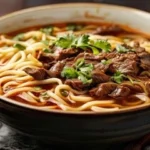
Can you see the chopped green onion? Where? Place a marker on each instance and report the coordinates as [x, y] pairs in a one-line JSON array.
[[46, 42], [47, 30], [19, 37], [19, 46]]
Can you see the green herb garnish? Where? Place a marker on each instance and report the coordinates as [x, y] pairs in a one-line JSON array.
[[81, 70], [122, 49], [103, 45], [65, 41], [69, 73], [19, 46], [47, 30], [19, 37], [118, 77], [64, 92], [79, 63], [45, 95], [47, 50], [106, 62], [45, 42], [37, 88], [130, 79], [83, 42]]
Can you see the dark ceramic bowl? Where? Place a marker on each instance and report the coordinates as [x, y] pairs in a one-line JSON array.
[[75, 127]]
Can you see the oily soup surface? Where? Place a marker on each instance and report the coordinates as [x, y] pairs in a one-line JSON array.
[[76, 67]]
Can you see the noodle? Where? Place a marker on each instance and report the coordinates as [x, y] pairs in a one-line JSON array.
[[18, 52]]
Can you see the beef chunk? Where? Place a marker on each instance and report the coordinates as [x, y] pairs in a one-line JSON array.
[[99, 77], [102, 67], [134, 88], [46, 57], [108, 30], [147, 85], [144, 58], [55, 70], [115, 91], [102, 90], [125, 63], [47, 60], [76, 84], [66, 53], [37, 74], [91, 56], [120, 92]]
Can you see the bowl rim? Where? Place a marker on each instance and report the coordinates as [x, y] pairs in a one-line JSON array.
[[64, 5]]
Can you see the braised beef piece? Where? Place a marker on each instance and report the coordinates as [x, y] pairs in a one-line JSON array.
[[37, 74], [66, 53], [115, 91], [108, 30], [69, 61], [99, 77], [55, 70], [47, 66], [47, 60], [147, 85], [120, 92], [91, 56], [144, 58], [134, 88], [46, 57], [110, 55], [102, 67], [102, 90], [76, 84], [125, 63]]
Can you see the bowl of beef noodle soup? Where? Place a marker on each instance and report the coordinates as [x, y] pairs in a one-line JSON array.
[[87, 68]]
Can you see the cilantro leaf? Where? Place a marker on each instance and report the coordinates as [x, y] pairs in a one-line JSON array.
[[103, 45], [95, 50], [118, 77], [69, 73], [83, 78], [79, 63], [19, 46], [106, 62], [122, 49], [82, 41], [86, 69], [65, 41], [81, 71], [47, 50]]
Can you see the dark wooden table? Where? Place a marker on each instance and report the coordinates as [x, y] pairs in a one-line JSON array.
[[10, 140], [140, 4]]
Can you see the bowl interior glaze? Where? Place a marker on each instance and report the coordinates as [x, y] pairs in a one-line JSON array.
[[57, 13]]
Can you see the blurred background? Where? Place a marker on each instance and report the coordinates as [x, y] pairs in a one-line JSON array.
[[7, 6]]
